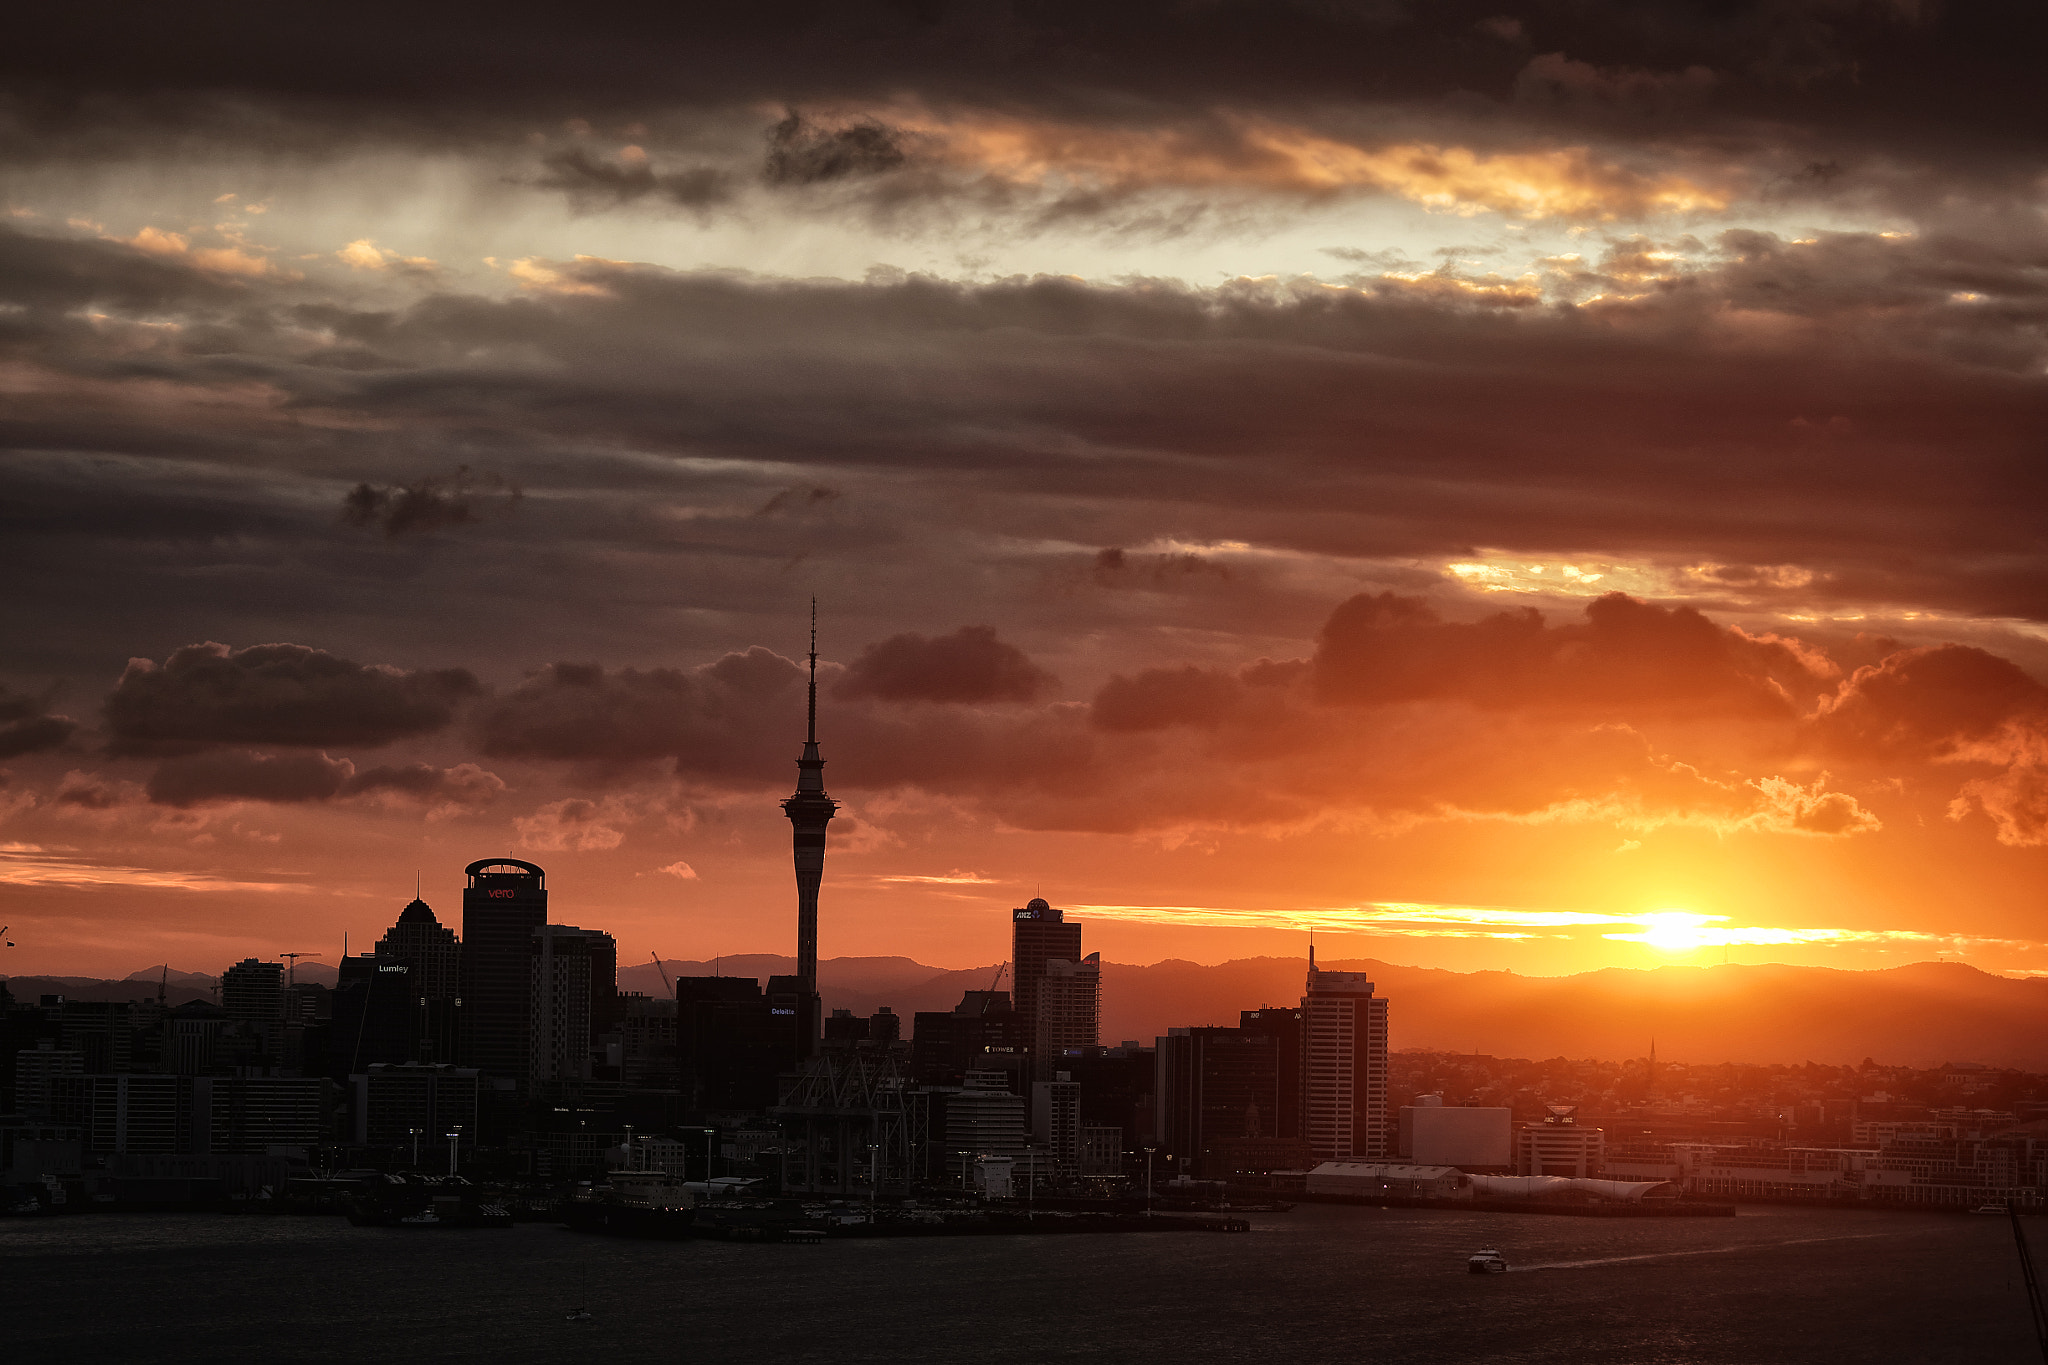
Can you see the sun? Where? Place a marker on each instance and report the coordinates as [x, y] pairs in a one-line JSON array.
[[1675, 931]]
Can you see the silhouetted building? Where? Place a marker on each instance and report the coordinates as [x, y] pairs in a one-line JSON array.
[[1038, 935], [1218, 1090], [981, 1033], [505, 901], [390, 1102], [809, 811], [1282, 1023], [885, 1026], [1056, 1122], [1068, 1010], [1559, 1145], [252, 993], [575, 999], [377, 1009], [35, 1073], [1344, 1067], [645, 1040], [845, 1028], [433, 952], [730, 1044]]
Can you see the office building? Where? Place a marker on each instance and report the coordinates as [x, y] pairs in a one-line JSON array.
[[1281, 1023], [1559, 1145], [731, 1044], [1056, 1123], [392, 1103], [575, 990], [252, 993], [35, 1074], [1039, 934], [1344, 1067], [504, 902], [1068, 1008], [434, 954], [377, 1009], [1217, 1092], [1432, 1133], [809, 811]]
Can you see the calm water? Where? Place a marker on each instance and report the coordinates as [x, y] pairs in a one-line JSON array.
[[1317, 1284]]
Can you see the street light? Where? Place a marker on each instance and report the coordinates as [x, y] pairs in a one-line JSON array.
[[1148, 1180], [454, 1136], [415, 1146]]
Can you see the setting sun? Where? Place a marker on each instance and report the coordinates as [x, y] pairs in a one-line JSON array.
[[1676, 931]]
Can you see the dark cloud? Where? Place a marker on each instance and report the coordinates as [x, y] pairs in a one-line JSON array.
[[592, 182], [208, 694], [970, 665], [711, 721], [239, 775], [801, 152], [1628, 658], [430, 503], [464, 785], [26, 727]]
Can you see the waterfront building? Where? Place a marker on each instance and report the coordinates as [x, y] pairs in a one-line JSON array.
[[1215, 1091], [1559, 1145], [1056, 1122], [1432, 1133], [1344, 1067], [505, 901], [393, 1104]]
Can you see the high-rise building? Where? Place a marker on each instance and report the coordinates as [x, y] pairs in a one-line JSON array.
[[1056, 1122], [1038, 934], [376, 1014], [1344, 1067], [1218, 1095], [1283, 1024], [252, 992], [505, 901], [575, 984], [1068, 1008], [809, 811], [433, 952]]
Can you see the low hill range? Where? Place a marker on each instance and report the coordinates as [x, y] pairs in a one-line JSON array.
[[1922, 1015]]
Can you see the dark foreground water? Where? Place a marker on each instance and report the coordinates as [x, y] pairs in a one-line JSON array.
[[1318, 1284]]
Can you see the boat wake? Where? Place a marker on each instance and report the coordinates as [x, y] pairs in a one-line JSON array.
[[1699, 1251]]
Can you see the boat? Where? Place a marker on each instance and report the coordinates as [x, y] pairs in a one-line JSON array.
[[633, 1203], [578, 1315], [1488, 1262]]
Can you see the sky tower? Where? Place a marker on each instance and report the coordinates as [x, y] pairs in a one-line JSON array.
[[809, 811]]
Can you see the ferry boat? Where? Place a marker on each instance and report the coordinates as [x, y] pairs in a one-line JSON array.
[[1488, 1262], [633, 1203]]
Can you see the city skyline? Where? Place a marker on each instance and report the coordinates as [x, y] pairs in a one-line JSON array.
[[1504, 489]]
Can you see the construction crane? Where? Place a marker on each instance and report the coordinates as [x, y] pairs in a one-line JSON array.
[[666, 984], [3, 935], [997, 979], [291, 972]]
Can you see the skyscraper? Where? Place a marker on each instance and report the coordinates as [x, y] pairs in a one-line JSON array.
[[1069, 1008], [1038, 934], [575, 994], [433, 954], [505, 901], [1344, 1066], [809, 811]]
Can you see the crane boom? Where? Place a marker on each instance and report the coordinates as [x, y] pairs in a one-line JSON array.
[[2035, 1306], [665, 983]]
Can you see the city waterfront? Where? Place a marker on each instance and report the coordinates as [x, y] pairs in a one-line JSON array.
[[1771, 1285]]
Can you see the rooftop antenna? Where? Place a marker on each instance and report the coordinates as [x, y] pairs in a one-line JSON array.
[[1311, 949]]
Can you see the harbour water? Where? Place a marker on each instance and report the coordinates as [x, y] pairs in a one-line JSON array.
[[1319, 1283]]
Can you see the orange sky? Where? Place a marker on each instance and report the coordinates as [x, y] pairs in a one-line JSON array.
[[1576, 504]]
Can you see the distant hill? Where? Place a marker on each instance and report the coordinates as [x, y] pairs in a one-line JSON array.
[[1919, 1015]]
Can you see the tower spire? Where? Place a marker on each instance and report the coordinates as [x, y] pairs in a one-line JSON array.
[[811, 731]]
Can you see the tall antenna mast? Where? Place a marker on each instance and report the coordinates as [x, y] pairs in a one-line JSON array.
[[811, 733]]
